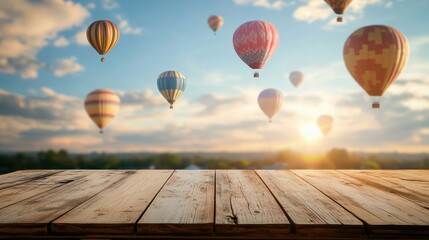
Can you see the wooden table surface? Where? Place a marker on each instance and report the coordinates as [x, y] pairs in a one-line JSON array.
[[209, 204]]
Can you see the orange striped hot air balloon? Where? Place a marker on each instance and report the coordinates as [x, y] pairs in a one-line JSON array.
[[339, 6], [374, 56], [215, 22], [101, 105], [103, 36]]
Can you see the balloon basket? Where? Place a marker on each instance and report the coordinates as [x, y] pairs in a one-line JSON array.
[[340, 19], [376, 105], [256, 75], [103, 59], [171, 106], [101, 131]]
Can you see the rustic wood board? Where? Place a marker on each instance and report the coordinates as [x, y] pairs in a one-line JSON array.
[[117, 208], [384, 212], [33, 214], [19, 192], [23, 176], [312, 213], [389, 181], [185, 205], [245, 207]]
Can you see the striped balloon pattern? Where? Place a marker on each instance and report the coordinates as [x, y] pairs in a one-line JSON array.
[[102, 105], [375, 55], [255, 42], [270, 101], [103, 36], [215, 22], [171, 85]]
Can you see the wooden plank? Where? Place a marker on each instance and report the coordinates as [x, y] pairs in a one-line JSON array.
[[385, 213], [185, 205], [20, 192], [117, 208], [395, 182], [23, 176], [312, 213], [32, 215], [245, 207]]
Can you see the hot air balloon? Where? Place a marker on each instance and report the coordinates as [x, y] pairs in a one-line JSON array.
[[374, 56], [270, 101], [296, 78], [101, 105], [215, 22], [171, 84], [339, 7], [103, 36], [255, 42], [325, 123]]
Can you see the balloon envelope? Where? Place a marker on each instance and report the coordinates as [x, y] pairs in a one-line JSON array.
[[325, 123], [102, 105], [255, 42], [296, 78], [270, 101], [171, 84], [103, 36], [215, 22], [374, 56], [338, 6]]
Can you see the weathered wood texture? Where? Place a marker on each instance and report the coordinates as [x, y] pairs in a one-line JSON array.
[[312, 212], [383, 212], [185, 205], [245, 206], [209, 204]]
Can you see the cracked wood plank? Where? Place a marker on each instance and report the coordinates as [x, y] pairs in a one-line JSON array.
[[115, 209], [245, 207], [184, 206], [312, 213], [33, 214], [385, 213], [24, 176]]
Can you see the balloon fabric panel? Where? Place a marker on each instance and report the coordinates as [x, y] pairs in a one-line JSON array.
[[101, 106], [102, 35], [339, 6]]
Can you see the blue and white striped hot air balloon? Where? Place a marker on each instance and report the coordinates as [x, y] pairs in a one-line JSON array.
[[171, 84]]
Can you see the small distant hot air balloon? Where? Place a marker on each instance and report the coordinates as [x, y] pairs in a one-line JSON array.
[[103, 36], [171, 84], [325, 123], [270, 101], [102, 105], [215, 23], [339, 7], [296, 78], [255, 42], [374, 56]]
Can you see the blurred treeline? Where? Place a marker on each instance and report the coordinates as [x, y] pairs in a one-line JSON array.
[[333, 159]]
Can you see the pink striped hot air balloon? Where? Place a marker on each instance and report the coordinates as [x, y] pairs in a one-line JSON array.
[[255, 42], [101, 105]]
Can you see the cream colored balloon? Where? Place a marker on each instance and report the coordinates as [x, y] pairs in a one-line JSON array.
[[270, 101]]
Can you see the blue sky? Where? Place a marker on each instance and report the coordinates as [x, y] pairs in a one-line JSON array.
[[47, 68]]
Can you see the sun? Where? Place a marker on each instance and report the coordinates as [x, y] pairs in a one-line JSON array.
[[310, 132]]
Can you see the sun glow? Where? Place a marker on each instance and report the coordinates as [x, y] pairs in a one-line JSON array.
[[310, 132]]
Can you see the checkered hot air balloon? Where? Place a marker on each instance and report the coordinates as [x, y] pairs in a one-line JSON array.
[[374, 56], [103, 36], [255, 42], [102, 105], [215, 23], [270, 101], [171, 85], [339, 6]]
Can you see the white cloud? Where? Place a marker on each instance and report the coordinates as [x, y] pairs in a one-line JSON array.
[[275, 4], [61, 42], [109, 4], [418, 44], [126, 28], [91, 5], [80, 38], [67, 66], [27, 27]]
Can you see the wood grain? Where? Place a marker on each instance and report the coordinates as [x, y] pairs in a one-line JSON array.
[[384, 212], [312, 213], [33, 214], [185, 205], [245, 207], [117, 208], [24, 176]]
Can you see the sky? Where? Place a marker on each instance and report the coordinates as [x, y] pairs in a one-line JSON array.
[[47, 68]]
